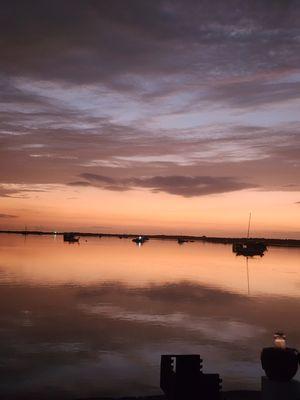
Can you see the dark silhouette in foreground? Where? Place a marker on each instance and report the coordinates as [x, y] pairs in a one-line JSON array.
[[181, 378], [279, 362]]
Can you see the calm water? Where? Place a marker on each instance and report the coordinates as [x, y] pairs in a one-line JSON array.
[[92, 319]]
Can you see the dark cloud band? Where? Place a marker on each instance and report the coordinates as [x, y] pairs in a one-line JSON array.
[[8, 216], [187, 186]]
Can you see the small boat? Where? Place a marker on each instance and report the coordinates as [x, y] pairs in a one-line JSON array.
[[140, 239], [70, 237], [181, 240], [249, 248]]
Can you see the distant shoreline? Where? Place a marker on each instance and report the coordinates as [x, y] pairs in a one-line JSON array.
[[209, 239]]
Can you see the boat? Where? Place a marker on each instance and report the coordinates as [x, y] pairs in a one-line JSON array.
[[140, 239], [249, 247], [70, 237], [181, 240]]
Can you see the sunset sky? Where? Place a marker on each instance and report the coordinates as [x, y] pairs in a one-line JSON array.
[[150, 116]]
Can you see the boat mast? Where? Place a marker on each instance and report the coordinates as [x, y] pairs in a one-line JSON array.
[[249, 226]]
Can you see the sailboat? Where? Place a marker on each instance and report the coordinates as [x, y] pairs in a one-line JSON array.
[[249, 247], [25, 232]]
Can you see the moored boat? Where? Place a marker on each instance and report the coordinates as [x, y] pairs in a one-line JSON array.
[[249, 247], [181, 240], [140, 239], [70, 237]]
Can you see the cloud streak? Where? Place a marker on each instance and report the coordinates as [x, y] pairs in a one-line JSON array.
[[8, 216], [186, 186]]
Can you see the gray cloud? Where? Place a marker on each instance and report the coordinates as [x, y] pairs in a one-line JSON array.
[[20, 191], [80, 183], [187, 186], [255, 93], [248, 154], [8, 216], [92, 40], [98, 88]]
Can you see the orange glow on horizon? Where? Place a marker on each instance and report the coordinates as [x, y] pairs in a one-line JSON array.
[[94, 210]]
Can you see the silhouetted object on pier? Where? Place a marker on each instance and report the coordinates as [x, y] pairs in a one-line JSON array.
[[181, 378], [70, 237], [280, 362], [249, 248]]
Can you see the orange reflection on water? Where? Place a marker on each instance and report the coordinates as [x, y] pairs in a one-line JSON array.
[[47, 260]]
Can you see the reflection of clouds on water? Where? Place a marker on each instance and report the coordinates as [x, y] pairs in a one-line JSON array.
[[221, 330], [106, 339], [58, 347]]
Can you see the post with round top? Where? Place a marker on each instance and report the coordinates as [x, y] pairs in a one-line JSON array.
[[280, 364]]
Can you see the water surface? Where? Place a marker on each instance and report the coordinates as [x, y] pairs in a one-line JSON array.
[[93, 319]]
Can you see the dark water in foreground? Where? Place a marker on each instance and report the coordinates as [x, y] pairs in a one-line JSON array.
[[92, 319]]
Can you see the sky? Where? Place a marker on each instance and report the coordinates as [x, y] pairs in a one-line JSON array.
[[176, 117]]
